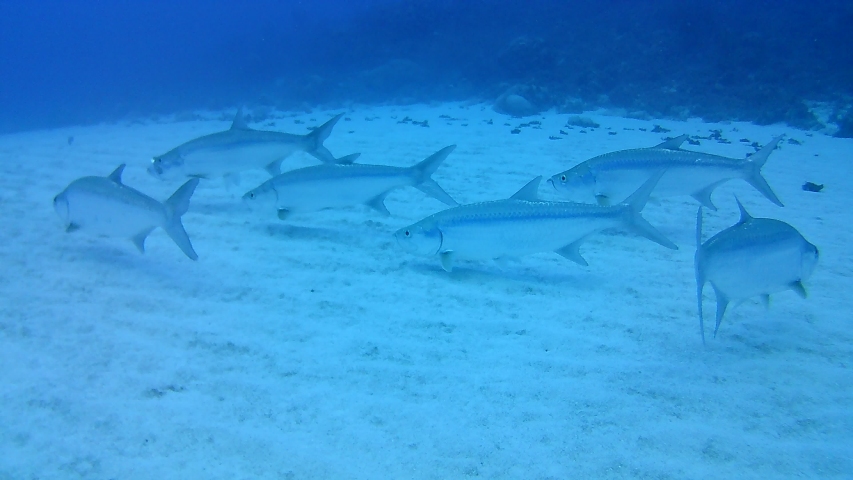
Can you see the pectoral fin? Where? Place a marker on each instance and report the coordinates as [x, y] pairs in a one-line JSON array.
[[446, 261], [283, 213], [799, 289], [72, 227]]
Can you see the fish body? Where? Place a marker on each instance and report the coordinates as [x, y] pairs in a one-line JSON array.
[[756, 256], [240, 148], [105, 206], [613, 176], [522, 225], [345, 184]]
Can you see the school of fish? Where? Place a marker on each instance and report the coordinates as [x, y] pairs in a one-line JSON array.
[[754, 257]]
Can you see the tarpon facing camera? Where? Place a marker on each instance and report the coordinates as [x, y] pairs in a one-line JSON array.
[[613, 176], [238, 149], [756, 256], [345, 184], [105, 206], [523, 225]]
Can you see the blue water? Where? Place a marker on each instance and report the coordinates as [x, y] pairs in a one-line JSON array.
[[83, 62], [310, 345]]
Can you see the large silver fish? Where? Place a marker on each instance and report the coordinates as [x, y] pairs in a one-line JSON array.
[[522, 225], [240, 148], [105, 206], [613, 176], [756, 256], [329, 186]]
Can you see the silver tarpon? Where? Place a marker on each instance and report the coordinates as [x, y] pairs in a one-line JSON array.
[[329, 186], [105, 206], [240, 148], [756, 256], [523, 224], [613, 176]]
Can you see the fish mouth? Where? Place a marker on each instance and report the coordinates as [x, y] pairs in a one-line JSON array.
[[249, 202], [553, 184], [155, 171], [400, 236]]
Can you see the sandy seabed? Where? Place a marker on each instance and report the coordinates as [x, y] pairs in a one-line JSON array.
[[316, 348]]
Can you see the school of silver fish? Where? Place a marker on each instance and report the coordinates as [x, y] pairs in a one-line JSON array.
[[753, 258]]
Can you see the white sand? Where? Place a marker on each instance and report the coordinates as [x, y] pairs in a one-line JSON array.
[[315, 348]]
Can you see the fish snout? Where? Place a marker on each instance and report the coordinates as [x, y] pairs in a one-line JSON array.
[[418, 240], [809, 261], [249, 200], [402, 236], [260, 198], [156, 169], [168, 167]]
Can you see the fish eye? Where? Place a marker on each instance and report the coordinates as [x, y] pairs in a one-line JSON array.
[[563, 178], [251, 194], [407, 233]]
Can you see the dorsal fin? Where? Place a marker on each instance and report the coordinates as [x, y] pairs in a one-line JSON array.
[[744, 215], [529, 192], [673, 143], [239, 122], [116, 175], [347, 159]]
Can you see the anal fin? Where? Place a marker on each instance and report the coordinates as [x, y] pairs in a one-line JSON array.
[[722, 304], [704, 196], [139, 239], [572, 252], [434, 190], [274, 168], [378, 203]]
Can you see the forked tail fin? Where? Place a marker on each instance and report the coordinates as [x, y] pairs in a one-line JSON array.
[[753, 173], [176, 207], [423, 171], [314, 141]]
